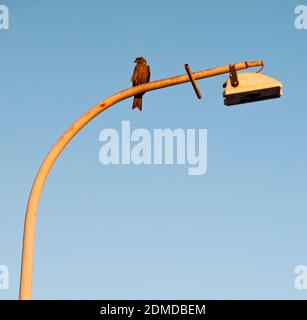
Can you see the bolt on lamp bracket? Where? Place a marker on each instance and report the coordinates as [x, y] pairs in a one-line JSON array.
[[233, 76]]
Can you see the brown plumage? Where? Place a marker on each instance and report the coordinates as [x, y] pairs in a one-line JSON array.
[[141, 74]]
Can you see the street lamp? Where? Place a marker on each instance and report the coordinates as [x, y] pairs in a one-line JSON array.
[[25, 292], [248, 87]]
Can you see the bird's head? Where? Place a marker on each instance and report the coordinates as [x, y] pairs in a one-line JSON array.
[[140, 60]]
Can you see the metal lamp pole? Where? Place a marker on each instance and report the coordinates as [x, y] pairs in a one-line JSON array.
[[30, 218]]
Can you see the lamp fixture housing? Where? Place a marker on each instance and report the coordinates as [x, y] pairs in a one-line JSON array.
[[252, 87]]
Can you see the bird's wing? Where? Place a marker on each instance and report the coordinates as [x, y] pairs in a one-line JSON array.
[[134, 76], [148, 72]]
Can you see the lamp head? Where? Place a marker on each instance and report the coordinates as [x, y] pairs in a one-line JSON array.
[[252, 87]]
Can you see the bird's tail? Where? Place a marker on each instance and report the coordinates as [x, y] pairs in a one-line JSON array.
[[137, 102]]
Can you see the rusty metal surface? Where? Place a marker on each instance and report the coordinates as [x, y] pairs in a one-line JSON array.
[[193, 81]]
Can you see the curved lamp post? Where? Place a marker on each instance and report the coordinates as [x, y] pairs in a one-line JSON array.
[[30, 218]]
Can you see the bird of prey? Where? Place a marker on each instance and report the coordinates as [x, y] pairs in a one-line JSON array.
[[141, 74]]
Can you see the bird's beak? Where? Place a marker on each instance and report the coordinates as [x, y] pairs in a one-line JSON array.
[[135, 61]]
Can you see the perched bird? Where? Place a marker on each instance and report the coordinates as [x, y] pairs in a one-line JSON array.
[[141, 74]]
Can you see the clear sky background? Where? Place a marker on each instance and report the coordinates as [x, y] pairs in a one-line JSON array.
[[154, 232]]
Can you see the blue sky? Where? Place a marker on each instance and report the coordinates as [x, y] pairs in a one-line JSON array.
[[154, 232]]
